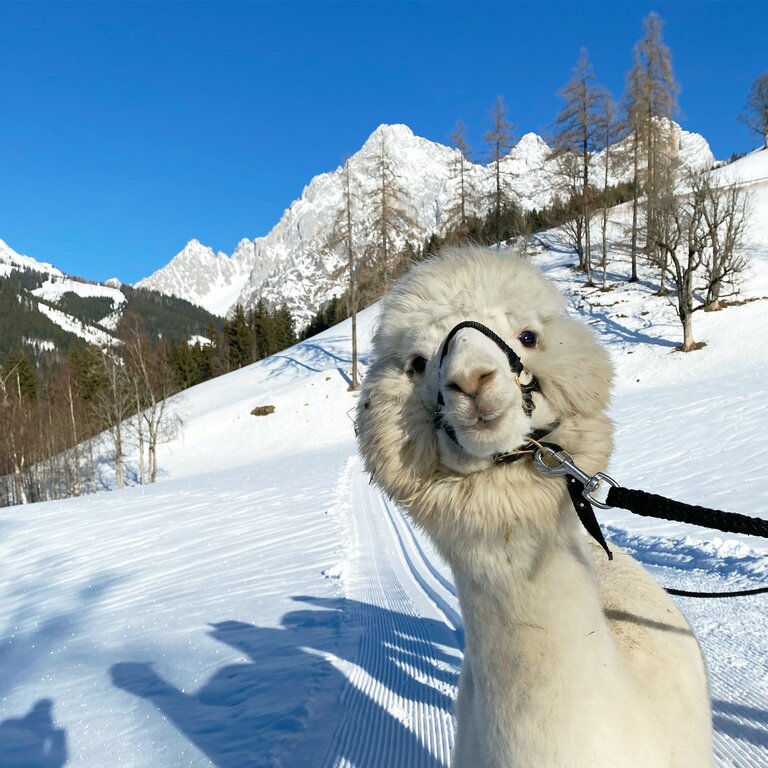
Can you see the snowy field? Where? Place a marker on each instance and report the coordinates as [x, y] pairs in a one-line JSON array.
[[263, 605]]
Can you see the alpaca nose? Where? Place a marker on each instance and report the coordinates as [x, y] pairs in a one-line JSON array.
[[471, 382]]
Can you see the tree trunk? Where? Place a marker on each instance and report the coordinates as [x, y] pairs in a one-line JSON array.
[[75, 441], [153, 461], [635, 193], [117, 438], [689, 343]]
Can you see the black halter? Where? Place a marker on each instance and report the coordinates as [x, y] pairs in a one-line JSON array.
[[527, 390]]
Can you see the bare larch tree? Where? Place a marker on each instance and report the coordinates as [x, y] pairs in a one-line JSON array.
[[458, 215], [610, 130], [652, 93], [755, 114], [500, 140], [577, 133], [342, 237], [391, 220]]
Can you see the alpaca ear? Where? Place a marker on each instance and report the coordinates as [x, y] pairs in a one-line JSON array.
[[575, 372]]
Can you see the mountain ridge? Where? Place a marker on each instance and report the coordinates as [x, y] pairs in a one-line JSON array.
[[294, 263]]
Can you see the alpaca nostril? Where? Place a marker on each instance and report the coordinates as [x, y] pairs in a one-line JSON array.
[[471, 383]]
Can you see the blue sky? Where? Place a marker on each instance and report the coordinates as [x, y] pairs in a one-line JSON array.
[[130, 128]]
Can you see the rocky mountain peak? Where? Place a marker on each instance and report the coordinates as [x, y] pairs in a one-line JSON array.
[[301, 263]]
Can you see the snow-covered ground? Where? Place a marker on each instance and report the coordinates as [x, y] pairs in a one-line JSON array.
[[263, 605]]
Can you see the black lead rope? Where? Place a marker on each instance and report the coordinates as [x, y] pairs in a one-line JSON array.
[[652, 505]]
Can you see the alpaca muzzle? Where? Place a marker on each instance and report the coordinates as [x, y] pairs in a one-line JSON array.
[[527, 389]]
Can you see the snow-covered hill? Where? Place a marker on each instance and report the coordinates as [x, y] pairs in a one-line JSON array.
[[98, 332], [263, 605], [10, 261], [295, 264]]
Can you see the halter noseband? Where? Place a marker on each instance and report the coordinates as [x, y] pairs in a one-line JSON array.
[[526, 390]]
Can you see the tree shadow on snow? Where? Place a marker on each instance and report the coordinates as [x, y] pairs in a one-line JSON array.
[[612, 328], [33, 741], [314, 357], [336, 681]]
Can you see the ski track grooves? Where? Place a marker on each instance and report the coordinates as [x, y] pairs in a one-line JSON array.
[[399, 699]]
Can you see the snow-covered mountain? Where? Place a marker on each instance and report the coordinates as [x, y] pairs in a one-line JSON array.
[[10, 261], [197, 274], [295, 264]]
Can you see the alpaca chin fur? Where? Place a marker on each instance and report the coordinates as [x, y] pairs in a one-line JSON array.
[[570, 660]]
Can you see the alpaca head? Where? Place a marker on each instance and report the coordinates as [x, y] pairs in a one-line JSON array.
[[428, 462]]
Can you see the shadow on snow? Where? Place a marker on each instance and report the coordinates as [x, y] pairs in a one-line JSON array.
[[312, 357], [33, 741], [741, 722], [294, 702]]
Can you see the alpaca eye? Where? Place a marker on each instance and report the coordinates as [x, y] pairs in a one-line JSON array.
[[417, 364], [527, 339]]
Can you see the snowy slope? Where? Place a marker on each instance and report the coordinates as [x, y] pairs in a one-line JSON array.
[[54, 288], [90, 311], [10, 261], [263, 605]]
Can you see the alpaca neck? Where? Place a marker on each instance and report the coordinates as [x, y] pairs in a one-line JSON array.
[[545, 587], [538, 647]]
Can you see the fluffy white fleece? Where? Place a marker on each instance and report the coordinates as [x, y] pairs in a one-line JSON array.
[[570, 660]]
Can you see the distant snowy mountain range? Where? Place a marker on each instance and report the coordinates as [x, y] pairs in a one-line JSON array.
[[294, 263], [43, 309]]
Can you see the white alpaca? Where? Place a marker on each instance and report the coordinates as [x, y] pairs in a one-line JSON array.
[[571, 661]]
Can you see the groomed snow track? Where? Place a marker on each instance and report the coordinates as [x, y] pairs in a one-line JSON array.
[[403, 676]]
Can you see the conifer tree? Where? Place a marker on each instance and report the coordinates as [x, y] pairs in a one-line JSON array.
[[239, 337], [21, 373], [283, 335]]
